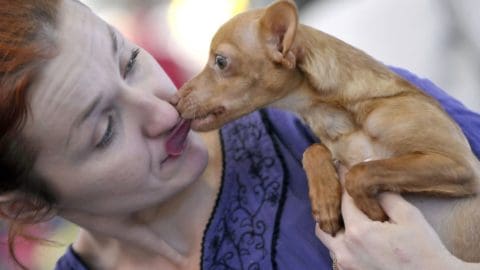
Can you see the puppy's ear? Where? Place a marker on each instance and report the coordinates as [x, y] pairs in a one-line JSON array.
[[16, 206], [278, 27]]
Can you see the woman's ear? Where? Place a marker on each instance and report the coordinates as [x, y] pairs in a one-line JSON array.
[[23, 208]]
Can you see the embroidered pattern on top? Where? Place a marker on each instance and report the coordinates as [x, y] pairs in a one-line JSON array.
[[239, 235]]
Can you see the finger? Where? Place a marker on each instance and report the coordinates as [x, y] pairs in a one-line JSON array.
[[341, 171], [327, 239], [173, 99], [397, 208], [350, 212]]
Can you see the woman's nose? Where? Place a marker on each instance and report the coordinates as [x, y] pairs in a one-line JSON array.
[[160, 117], [156, 115]]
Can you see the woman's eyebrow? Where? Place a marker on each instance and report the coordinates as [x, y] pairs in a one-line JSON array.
[[97, 100], [114, 39], [88, 110], [83, 116]]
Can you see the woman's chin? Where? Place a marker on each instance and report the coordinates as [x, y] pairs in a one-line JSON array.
[[197, 153]]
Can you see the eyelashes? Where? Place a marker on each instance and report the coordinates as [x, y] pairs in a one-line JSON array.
[[110, 130], [109, 133], [131, 62]]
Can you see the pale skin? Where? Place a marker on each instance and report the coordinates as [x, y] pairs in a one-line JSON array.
[[100, 118], [111, 172], [406, 241]]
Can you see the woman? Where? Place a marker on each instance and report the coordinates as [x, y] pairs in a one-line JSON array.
[[85, 139]]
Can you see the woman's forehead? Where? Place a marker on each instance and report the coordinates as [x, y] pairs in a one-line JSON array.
[[77, 24], [83, 66], [85, 52]]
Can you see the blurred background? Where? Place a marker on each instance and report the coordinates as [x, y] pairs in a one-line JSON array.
[[436, 39]]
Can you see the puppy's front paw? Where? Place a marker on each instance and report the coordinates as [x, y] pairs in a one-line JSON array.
[[358, 184], [328, 216]]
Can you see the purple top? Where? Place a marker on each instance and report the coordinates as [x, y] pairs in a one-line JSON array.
[[70, 261], [262, 217]]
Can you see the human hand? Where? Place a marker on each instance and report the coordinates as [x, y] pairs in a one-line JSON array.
[[407, 241]]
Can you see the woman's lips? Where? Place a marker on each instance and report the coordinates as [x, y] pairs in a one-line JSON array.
[[175, 143]]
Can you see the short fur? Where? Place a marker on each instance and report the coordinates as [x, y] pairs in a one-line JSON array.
[[390, 135]]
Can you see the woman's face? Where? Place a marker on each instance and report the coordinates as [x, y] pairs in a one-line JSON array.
[[100, 119]]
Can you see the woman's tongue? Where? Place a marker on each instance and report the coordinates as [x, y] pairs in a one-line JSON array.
[[176, 140]]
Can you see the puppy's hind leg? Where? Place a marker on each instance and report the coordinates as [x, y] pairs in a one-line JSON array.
[[325, 190]]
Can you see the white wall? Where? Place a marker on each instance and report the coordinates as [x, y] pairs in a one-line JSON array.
[[437, 39]]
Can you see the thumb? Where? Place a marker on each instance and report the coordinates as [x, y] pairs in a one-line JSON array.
[[398, 209]]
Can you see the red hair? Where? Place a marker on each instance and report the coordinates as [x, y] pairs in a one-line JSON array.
[[26, 43]]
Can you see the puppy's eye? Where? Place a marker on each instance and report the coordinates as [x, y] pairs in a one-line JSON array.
[[221, 61]]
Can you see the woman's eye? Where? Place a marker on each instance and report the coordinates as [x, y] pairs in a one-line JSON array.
[[221, 61], [108, 134], [131, 62]]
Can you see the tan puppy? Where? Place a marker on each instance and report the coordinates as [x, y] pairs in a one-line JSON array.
[[390, 135]]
